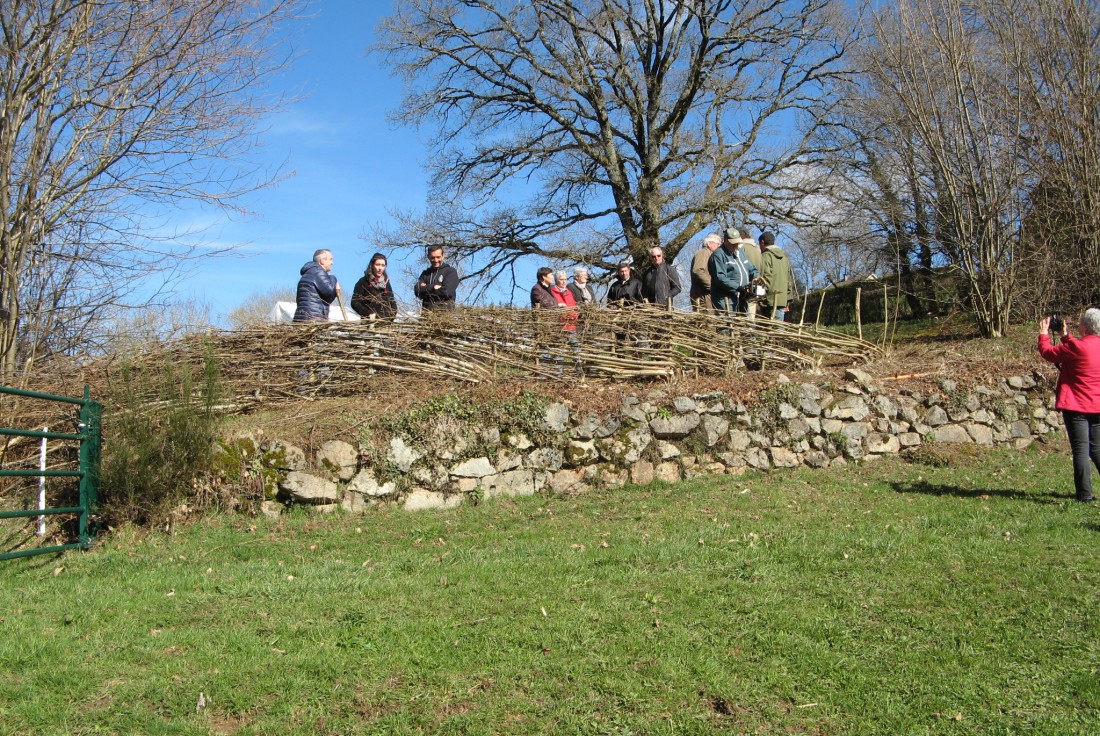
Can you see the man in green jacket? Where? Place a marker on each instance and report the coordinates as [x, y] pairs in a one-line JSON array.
[[775, 267]]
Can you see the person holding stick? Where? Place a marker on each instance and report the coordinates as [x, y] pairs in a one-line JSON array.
[[317, 288]]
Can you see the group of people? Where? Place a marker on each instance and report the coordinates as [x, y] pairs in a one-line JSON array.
[[730, 274], [372, 297]]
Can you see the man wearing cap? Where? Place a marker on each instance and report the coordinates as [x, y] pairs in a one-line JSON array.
[[438, 283], [776, 270], [625, 290], [700, 274], [748, 248], [660, 283], [731, 275]]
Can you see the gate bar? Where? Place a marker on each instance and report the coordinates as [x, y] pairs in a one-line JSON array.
[[38, 433], [39, 512], [39, 551]]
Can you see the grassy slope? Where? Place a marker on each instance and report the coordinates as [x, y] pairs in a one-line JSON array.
[[885, 599]]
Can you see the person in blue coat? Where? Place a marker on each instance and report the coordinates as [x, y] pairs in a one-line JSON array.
[[731, 275], [316, 288]]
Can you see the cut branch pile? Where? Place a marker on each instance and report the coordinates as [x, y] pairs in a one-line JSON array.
[[273, 363]]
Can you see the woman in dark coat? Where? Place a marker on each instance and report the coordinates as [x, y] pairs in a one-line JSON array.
[[373, 295]]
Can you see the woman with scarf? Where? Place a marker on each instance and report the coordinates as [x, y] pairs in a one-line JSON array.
[[373, 295]]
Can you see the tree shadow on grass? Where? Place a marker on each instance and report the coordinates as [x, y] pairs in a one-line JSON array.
[[934, 489]]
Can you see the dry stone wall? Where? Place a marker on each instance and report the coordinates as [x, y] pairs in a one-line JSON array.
[[792, 424]]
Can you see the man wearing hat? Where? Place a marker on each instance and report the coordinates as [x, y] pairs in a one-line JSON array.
[[731, 275], [751, 251]]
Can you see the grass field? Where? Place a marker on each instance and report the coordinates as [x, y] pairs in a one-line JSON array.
[[889, 598]]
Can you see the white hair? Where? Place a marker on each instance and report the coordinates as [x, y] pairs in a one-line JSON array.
[[713, 238], [579, 270], [560, 276], [1090, 321]]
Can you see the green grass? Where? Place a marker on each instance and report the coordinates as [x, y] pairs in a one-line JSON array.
[[882, 599]]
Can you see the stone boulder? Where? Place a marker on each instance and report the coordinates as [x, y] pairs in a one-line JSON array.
[[580, 453], [365, 484], [279, 455], [477, 467], [514, 483], [850, 407], [402, 455], [669, 472], [546, 458], [714, 429], [339, 458], [951, 433], [556, 417], [684, 405], [421, 499], [783, 457], [302, 487], [674, 427]]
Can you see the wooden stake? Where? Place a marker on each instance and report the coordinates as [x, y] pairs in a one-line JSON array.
[[859, 319]]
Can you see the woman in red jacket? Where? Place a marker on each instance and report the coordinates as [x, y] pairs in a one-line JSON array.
[[564, 297], [1078, 393]]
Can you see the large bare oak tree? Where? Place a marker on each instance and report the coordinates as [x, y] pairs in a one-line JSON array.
[[112, 112], [584, 130]]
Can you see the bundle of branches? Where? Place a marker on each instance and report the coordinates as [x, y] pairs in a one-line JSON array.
[[292, 362]]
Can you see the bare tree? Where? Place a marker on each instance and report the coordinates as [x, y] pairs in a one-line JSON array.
[[579, 130], [972, 144], [943, 144], [111, 113], [1060, 92]]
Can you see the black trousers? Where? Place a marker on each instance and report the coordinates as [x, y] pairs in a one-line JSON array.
[[1083, 431]]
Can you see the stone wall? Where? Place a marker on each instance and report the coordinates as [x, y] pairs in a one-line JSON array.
[[791, 424]]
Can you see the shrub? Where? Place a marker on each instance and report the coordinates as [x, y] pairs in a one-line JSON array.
[[159, 433]]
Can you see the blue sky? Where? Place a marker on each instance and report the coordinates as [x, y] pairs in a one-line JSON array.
[[347, 165]]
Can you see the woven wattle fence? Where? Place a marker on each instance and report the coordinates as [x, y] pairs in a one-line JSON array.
[[291, 362]]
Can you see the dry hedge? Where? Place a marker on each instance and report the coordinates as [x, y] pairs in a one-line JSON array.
[[478, 345]]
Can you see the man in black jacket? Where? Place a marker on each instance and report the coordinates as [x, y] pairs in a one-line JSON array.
[[660, 283], [438, 284], [316, 288], [625, 290]]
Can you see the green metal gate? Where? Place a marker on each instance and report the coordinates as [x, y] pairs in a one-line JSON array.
[[88, 434]]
